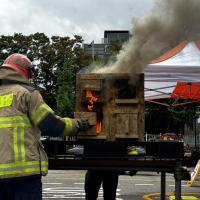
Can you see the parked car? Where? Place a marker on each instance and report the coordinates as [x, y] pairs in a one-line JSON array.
[[171, 136], [178, 137]]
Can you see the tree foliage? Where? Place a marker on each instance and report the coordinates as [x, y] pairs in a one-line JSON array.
[[57, 60], [162, 119], [66, 92]]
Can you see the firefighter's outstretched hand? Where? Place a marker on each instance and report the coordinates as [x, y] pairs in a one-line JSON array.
[[83, 125]]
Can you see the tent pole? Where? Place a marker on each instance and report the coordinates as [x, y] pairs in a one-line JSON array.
[[195, 129]]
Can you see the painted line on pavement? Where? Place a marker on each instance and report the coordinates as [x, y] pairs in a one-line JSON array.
[[79, 183], [143, 184], [70, 193], [181, 186], [157, 195]]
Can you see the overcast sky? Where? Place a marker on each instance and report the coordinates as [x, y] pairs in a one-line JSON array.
[[87, 18]]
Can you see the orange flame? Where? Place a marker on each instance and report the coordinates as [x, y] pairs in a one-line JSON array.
[[98, 126], [91, 99]]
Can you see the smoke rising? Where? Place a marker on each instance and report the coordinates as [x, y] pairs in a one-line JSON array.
[[166, 25]]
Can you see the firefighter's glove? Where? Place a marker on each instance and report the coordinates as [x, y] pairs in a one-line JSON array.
[[83, 125], [73, 126]]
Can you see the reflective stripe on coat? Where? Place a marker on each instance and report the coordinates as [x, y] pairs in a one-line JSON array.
[[21, 152]]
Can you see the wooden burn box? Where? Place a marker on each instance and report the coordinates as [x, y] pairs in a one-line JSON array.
[[112, 103]]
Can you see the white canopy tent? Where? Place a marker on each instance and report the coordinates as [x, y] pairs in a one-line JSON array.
[[181, 64]]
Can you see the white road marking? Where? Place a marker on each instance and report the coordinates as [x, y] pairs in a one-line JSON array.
[[76, 192], [143, 184], [63, 197], [52, 183], [62, 190], [181, 186]]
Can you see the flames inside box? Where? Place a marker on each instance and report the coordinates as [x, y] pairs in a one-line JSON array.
[[112, 103]]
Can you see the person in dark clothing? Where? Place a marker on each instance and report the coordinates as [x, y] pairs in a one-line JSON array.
[[93, 181]]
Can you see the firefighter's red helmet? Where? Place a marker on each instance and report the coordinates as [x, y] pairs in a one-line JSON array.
[[19, 63]]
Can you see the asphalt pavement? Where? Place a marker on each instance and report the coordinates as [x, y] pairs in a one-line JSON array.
[[69, 184]]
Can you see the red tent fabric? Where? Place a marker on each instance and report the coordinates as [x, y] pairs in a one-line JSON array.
[[187, 90], [170, 53]]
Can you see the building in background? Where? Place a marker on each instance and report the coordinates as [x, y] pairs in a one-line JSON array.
[[115, 36], [95, 50], [100, 50]]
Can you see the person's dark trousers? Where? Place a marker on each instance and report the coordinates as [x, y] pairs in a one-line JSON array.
[[93, 180], [21, 189]]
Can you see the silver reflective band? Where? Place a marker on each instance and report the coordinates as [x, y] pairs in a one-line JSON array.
[[14, 121]]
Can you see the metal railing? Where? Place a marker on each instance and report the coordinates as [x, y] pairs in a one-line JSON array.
[[189, 139]]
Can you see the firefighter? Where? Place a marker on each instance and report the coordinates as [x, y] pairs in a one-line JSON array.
[[23, 117]]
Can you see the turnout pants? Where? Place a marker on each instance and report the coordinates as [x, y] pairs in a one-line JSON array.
[[21, 189]]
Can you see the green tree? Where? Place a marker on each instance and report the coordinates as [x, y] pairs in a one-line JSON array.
[[162, 119], [66, 90], [113, 48], [49, 56]]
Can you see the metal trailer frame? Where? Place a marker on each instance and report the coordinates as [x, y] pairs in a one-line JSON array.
[[163, 157]]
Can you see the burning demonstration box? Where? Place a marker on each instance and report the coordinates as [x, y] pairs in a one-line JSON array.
[[113, 104]]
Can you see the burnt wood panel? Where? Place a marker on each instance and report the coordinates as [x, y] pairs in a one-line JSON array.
[[119, 104]]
